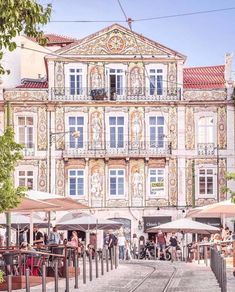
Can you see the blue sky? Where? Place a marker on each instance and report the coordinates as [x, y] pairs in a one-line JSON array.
[[204, 38]]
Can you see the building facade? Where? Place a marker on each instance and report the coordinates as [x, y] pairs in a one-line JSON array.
[[123, 127]]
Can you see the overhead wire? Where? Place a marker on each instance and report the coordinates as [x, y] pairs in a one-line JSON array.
[[147, 18]]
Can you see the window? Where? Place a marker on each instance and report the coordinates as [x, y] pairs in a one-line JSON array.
[[116, 77], [206, 181], [75, 81], [76, 124], [25, 131], [76, 182], [156, 181], [116, 132], [205, 130], [156, 129], [26, 179], [116, 182], [156, 81]]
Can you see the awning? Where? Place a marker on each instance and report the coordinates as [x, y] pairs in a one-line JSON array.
[[150, 221]]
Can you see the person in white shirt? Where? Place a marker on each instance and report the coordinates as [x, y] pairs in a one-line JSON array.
[[121, 246]]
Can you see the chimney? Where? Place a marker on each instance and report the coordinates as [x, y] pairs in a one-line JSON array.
[[228, 67]]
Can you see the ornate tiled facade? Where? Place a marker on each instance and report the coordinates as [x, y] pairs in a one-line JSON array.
[[139, 126]]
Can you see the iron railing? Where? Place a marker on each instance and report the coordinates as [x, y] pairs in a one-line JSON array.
[[206, 149], [119, 94], [218, 266], [29, 150], [143, 149]]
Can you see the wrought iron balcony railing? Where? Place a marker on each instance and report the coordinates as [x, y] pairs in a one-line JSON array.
[[142, 149], [29, 150], [119, 94], [206, 149]]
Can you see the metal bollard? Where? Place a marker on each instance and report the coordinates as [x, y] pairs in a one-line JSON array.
[[111, 259], [27, 283], [44, 278], [115, 257], [102, 263], [96, 265], [56, 276], [9, 283], [107, 259], [76, 271], [67, 275], [90, 266], [84, 267]]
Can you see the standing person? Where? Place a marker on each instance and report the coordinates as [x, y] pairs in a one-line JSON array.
[[54, 237], [128, 250], [38, 238], [121, 246], [74, 239], [134, 245], [112, 242], [161, 244], [173, 246]]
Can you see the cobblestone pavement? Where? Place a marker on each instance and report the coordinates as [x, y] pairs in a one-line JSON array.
[[128, 277]]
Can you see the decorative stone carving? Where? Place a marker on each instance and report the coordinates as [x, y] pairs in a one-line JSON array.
[[26, 109], [203, 202], [116, 42], [205, 109], [204, 95], [222, 178], [59, 127], [136, 79], [157, 203], [96, 73], [27, 95], [42, 128], [28, 162], [172, 127], [97, 182], [189, 128], [137, 128], [68, 109], [59, 78], [172, 78], [189, 182], [136, 182], [42, 176], [222, 128], [60, 177], [173, 192], [162, 109], [117, 203], [96, 129], [116, 109]]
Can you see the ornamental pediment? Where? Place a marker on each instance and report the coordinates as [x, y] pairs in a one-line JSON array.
[[118, 40]]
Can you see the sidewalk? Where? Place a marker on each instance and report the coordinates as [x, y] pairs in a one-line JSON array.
[[188, 277]]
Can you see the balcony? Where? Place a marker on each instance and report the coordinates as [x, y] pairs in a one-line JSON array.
[[126, 149], [206, 149], [110, 94], [29, 150]]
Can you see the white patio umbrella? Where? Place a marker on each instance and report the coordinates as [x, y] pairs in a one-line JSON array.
[[19, 221], [223, 208], [185, 225], [85, 222]]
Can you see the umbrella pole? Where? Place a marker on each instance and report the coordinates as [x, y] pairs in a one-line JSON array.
[[96, 227], [31, 229], [49, 222]]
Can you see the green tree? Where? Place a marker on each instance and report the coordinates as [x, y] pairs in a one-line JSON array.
[[21, 17], [10, 154], [230, 176]]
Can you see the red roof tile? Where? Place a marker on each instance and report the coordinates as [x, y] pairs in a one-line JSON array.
[[55, 39], [211, 77], [33, 84]]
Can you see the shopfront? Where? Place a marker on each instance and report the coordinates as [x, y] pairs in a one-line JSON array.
[[151, 221], [216, 222]]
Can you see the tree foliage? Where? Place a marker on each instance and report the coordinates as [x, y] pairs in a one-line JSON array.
[[230, 176], [10, 153], [21, 16]]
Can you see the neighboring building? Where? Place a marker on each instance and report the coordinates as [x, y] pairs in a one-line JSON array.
[[122, 127]]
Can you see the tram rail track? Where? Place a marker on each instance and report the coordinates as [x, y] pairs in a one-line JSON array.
[[148, 276]]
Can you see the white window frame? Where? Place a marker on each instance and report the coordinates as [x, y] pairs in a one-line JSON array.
[[25, 127], [161, 193], [123, 74], [116, 126], [206, 128], [163, 74], [76, 196], [117, 196], [76, 66], [208, 114], [26, 168], [77, 129], [214, 181]]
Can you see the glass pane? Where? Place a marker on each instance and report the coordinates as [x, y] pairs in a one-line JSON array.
[[152, 171], [159, 85], [72, 172], [80, 121], [21, 182], [29, 121], [22, 135], [112, 172], [120, 172], [152, 84], [72, 121], [120, 121], [120, 186], [112, 120], [152, 136], [112, 185], [120, 137], [209, 171], [160, 120], [80, 172], [113, 137], [21, 173], [152, 120], [202, 171], [30, 173], [21, 121]]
